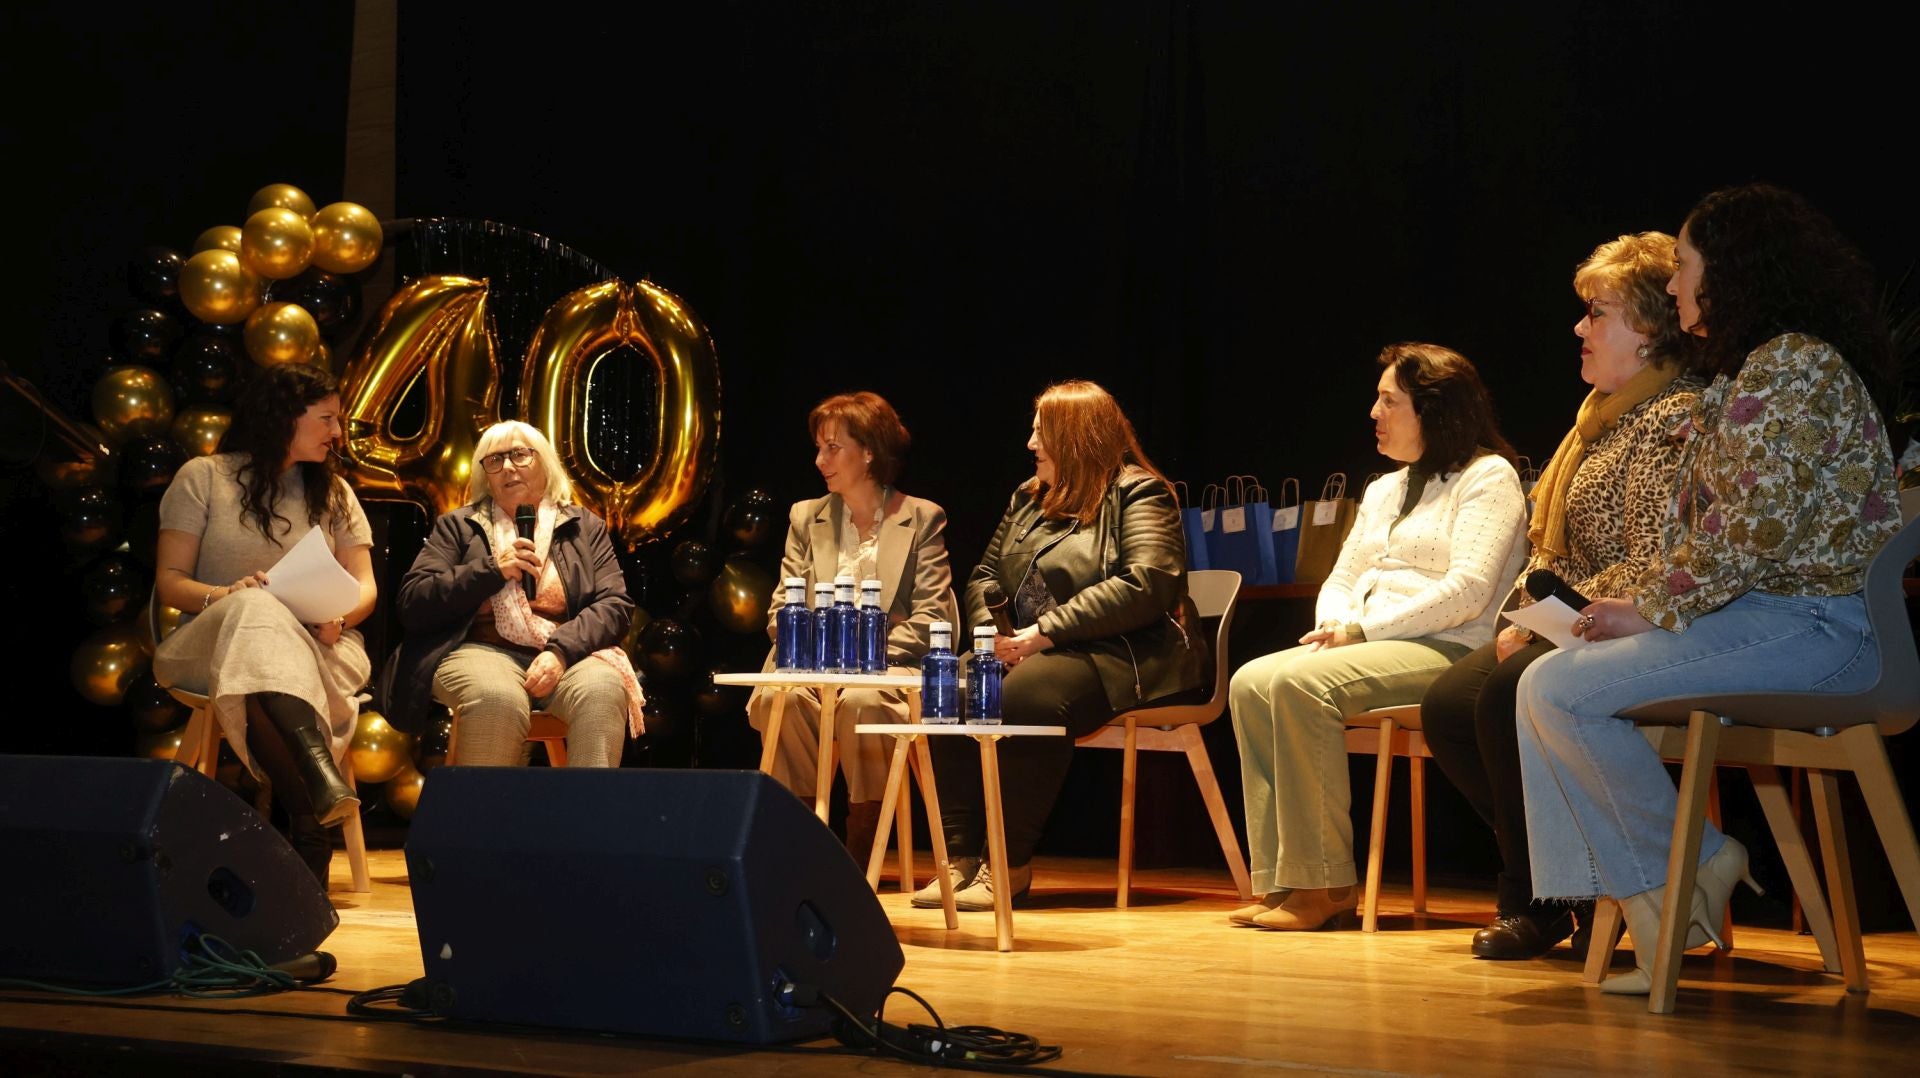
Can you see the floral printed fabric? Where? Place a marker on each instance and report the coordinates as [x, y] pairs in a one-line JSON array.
[[1786, 485]]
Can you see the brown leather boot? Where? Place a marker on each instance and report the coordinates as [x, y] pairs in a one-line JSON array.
[[1307, 909]]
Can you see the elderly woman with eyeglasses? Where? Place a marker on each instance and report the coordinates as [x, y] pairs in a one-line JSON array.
[[499, 624]]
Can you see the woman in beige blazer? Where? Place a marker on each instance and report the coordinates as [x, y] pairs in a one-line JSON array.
[[866, 529]]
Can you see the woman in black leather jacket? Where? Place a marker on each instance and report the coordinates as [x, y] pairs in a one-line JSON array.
[[1091, 560]]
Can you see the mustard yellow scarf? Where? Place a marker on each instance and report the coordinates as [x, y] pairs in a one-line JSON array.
[[1598, 414]]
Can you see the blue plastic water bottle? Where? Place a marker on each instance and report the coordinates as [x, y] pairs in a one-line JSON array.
[[846, 626], [873, 629], [940, 677], [983, 680], [825, 658], [793, 625]]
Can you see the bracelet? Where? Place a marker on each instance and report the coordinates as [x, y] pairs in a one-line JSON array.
[[207, 599]]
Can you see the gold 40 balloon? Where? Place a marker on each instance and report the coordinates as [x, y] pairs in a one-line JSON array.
[[436, 332]]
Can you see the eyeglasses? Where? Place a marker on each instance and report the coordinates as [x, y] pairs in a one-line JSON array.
[[520, 455]]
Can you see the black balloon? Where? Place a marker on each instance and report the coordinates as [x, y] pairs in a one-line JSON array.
[[143, 530], [89, 533], [666, 719], [144, 337], [147, 464], [154, 275], [205, 367], [153, 708], [89, 499], [667, 650], [332, 299], [113, 588], [753, 519], [693, 562], [715, 700]]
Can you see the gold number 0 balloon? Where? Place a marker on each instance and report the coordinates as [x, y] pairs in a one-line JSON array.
[[577, 333], [433, 330]]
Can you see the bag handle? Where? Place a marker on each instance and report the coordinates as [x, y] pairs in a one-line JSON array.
[[1181, 497], [1286, 485], [1335, 488], [1212, 495], [1251, 489], [1236, 490]]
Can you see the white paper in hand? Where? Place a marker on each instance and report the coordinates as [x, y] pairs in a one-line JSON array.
[[1552, 619], [311, 582]]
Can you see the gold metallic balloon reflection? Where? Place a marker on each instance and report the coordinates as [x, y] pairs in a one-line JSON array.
[[143, 626], [403, 791], [198, 429], [132, 402], [378, 750], [218, 238], [740, 594], [435, 329], [217, 287], [581, 329], [164, 745], [106, 663], [276, 242], [283, 195], [346, 237], [281, 333]]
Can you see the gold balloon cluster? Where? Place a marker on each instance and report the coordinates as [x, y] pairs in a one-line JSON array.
[[436, 333], [378, 751], [224, 282]]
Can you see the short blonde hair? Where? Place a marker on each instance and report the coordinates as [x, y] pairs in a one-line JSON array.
[[495, 438], [1638, 267]]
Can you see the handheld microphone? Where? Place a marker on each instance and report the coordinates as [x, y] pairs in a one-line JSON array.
[[1544, 582], [996, 601], [317, 966], [525, 518]]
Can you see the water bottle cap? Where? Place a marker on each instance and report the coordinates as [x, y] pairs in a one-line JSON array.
[[843, 579], [985, 630], [941, 627], [796, 582], [872, 585]]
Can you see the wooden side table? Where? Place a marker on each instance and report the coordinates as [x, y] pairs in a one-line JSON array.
[[987, 736]]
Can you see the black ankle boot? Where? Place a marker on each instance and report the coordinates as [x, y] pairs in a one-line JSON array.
[[332, 799], [311, 841]]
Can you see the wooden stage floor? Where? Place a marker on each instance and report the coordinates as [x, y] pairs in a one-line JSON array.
[[1165, 988]]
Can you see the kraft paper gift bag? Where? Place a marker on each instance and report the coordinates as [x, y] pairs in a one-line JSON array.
[[1324, 524]]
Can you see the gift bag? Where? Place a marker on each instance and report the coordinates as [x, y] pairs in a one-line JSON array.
[[1242, 539], [1193, 528], [1286, 531], [1529, 477], [1324, 524]]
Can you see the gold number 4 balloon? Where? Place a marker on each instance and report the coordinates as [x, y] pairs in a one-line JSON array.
[[436, 330]]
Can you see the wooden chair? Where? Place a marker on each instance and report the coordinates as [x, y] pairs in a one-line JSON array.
[[1384, 733], [1176, 728], [200, 750], [545, 728], [1822, 732]]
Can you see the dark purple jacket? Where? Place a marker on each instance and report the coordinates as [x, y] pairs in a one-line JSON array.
[[455, 573]]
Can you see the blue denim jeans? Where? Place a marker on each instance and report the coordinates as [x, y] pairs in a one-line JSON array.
[[1600, 803]]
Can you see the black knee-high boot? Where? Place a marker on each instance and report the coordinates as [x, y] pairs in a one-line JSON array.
[[270, 754], [332, 798]]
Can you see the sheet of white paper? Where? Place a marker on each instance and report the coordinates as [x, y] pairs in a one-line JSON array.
[[311, 582], [1550, 618]]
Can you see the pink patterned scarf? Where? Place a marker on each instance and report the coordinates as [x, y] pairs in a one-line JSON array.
[[514, 617]]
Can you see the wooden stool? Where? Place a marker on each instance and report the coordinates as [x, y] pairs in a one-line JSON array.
[[987, 736], [1387, 732], [544, 728]]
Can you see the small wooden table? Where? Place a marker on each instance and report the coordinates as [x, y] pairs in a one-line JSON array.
[[829, 686], [905, 734]]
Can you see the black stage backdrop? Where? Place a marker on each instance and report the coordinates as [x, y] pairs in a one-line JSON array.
[[1220, 210]]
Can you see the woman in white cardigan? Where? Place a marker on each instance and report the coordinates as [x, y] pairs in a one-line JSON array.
[[1416, 587]]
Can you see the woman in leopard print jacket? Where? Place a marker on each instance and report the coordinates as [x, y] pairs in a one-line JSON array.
[[1597, 518]]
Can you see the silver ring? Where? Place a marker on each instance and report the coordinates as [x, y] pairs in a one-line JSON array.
[[1585, 623]]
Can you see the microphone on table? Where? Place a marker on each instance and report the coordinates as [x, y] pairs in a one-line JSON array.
[[317, 966], [1542, 583], [996, 601], [525, 518]]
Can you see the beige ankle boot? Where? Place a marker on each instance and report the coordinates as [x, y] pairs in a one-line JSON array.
[[1307, 909]]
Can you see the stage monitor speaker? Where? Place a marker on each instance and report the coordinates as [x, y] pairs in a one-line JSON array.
[[113, 865], [671, 903]]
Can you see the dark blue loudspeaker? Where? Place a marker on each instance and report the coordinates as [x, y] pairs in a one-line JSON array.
[[670, 903], [113, 864]]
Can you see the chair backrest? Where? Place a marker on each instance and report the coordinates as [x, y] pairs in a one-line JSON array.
[[1892, 702], [1215, 594]]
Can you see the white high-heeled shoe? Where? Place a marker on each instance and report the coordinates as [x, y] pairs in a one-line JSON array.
[[1642, 912], [1713, 886]]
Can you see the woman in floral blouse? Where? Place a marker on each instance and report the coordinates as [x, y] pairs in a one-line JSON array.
[[1785, 492], [1597, 520]]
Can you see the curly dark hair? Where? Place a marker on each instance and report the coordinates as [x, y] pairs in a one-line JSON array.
[[263, 429], [1772, 264], [1455, 410]]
